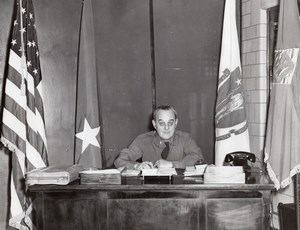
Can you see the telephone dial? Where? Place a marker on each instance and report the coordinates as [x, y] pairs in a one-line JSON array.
[[240, 159]]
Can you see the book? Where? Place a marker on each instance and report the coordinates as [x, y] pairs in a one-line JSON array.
[[55, 174], [102, 176]]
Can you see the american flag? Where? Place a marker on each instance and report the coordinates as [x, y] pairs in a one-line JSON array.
[[23, 127], [230, 118]]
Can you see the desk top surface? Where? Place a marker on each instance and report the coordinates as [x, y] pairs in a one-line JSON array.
[[255, 181]]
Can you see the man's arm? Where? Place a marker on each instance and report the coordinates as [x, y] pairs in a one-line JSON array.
[[127, 158], [192, 154]]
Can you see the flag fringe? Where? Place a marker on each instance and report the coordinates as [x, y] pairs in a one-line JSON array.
[[272, 176], [284, 183], [13, 148], [288, 180]]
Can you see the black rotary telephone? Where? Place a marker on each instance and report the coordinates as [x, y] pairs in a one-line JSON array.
[[240, 159]]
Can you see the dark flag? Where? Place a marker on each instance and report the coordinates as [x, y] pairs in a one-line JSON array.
[[88, 120], [23, 128], [282, 149], [230, 118]]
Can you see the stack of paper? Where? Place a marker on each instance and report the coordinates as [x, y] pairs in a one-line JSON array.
[[196, 170], [159, 172], [130, 172], [60, 175], [104, 176], [224, 174]]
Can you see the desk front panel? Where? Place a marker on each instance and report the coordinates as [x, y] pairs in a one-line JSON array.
[[155, 209]]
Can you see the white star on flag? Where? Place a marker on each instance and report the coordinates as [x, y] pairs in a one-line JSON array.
[[88, 136], [13, 42], [239, 82]]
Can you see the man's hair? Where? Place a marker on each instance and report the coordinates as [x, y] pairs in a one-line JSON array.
[[165, 108]]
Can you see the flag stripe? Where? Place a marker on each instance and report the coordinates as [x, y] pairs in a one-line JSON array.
[[15, 109], [14, 92], [14, 61], [34, 156], [15, 206], [30, 102], [14, 124], [11, 137], [14, 76], [39, 102], [41, 128]]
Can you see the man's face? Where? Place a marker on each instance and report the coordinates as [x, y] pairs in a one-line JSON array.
[[165, 124]]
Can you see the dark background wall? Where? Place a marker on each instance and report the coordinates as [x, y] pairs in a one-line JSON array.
[[186, 38], [122, 38], [187, 48]]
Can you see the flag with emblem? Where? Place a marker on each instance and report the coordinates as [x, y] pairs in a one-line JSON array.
[[230, 118], [282, 149], [88, 141], [23, 127]]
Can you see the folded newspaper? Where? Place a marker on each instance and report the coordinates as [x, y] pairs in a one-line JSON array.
[[60, 175]]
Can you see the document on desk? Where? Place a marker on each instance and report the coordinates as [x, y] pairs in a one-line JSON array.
[[130, 172], [197, 170], [224, 174], [104, 176], [159, 172]]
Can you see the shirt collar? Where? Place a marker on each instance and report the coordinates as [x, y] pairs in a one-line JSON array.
[[161, 143]]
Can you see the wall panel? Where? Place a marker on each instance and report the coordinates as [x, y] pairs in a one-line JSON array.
[[122, 37], [187, 48], [58, 31]]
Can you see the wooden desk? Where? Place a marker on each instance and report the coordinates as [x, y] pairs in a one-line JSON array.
[[134, 205]]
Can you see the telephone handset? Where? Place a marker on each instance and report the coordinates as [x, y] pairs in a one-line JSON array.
[[240, 158]]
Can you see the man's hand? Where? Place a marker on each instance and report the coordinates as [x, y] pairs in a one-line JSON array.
[[163, 164], [144, 165]]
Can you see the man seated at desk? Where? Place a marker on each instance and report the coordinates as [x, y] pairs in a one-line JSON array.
[[164, 147]]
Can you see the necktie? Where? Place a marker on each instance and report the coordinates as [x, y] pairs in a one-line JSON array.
[[165, 152], [140, 160]]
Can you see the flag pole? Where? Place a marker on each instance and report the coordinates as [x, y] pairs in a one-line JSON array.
[[76, 86], [152, 46], [102, 145]]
